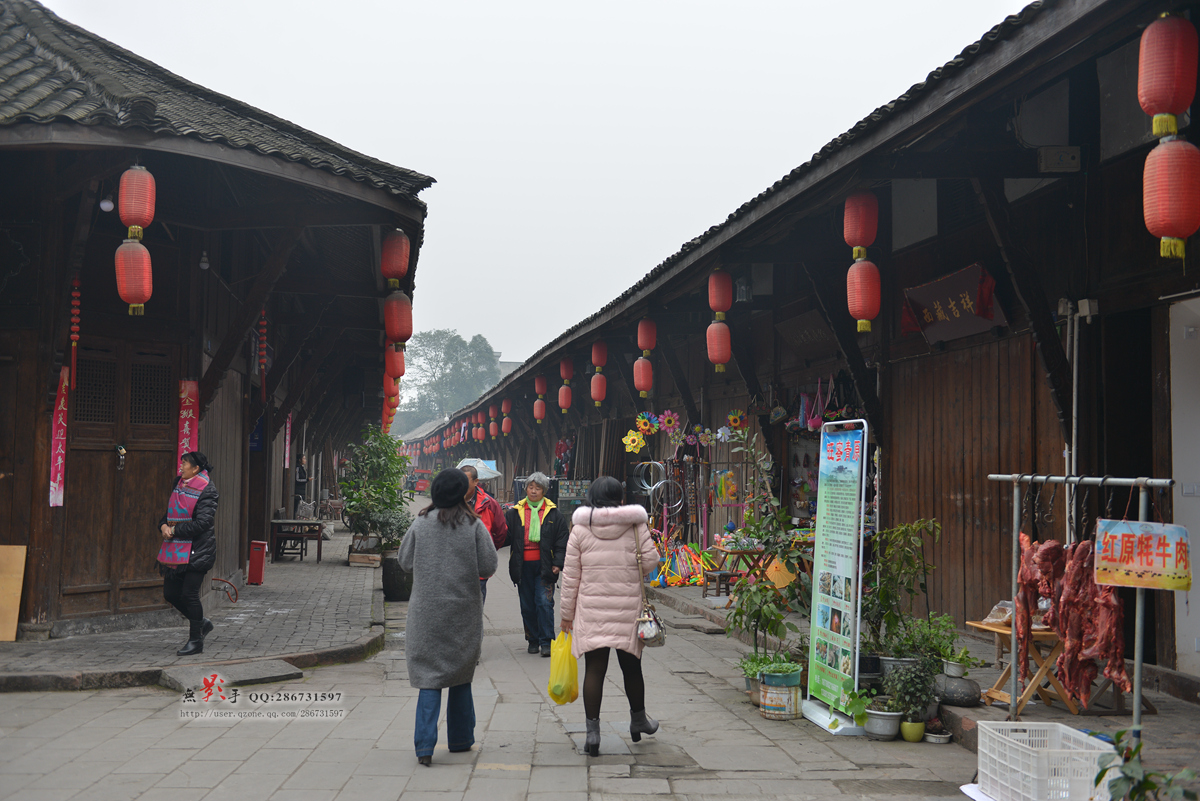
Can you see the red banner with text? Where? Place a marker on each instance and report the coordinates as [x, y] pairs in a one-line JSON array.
[[189, 435], [58, 439]]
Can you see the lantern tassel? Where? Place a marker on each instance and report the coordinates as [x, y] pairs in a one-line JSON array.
[[137, 309], [597, 404], [644, 394], [1165, 125], [393, 283], [720, 368], [539, 422], [1171, 248], [864, 325], [135, 232], [860, 253]]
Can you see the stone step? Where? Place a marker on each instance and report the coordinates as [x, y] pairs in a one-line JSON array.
[[240, 674]]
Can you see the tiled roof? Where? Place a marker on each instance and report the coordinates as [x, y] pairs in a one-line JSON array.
[[53, 71]]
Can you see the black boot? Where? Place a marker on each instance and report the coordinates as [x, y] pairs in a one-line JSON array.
[[639, 724], [592, 743], [195, 643], [206, 628]]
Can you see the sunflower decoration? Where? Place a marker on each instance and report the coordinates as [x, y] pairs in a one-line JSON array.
[[634, 441], [668, 421], [705, 438], [697, 430], [676, 437], [647, 423], [690, 439], [723, 434], [737, 419]]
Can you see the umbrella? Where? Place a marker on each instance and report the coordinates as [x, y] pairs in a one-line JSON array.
[[485, 470]]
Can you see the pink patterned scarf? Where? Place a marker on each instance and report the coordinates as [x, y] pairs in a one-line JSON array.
[[184, 497]]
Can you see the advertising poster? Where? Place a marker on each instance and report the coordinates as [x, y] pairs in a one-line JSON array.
[[835, 565], [58, 439], [1130, 553], [189, 434]]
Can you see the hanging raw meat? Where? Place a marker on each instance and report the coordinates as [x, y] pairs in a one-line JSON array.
[[1077, 624], [1024, 605], [1051, 563]]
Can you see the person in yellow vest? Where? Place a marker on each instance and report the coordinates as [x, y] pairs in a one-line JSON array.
[[537, 539]]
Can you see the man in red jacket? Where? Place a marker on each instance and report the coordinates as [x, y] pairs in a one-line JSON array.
[[489, 512]]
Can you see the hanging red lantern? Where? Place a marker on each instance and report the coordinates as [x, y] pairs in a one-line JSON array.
[[539, 386], [506, 426], [393, 262], [506, 407], [135, 198], [1171, 195], [720, 292], [397, 318], [564, 398], [262, 354], [389, 387], [647, 335], [566, 370], [392, 401], [1167, 71], [539, 410], [718, 345], [393, 362], [493, 411], [494, 429], [862, 293], [599, 388], [135, 279], [74, 326], [643, 376], [861, 222], [599, 354]]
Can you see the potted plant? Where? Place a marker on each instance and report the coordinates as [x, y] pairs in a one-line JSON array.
[[898, 574], [955, 663], [752, 665], [911, 687], [918, 638], [758, 609], [935, 731], [372, 486]]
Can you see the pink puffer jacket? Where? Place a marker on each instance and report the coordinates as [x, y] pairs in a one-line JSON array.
[[601, 588]]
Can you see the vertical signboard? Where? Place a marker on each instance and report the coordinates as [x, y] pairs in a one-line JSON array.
[[287, 442], [189, 434], [833, 639], [58, 439]]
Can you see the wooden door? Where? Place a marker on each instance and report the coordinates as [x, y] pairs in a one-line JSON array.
[[126, 395]]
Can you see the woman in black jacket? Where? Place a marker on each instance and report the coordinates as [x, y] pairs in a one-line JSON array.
[[190, 514], [537, 539]]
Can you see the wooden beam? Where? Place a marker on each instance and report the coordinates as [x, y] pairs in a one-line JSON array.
[[742, 336], [278, 215], [296, 389], [675, 370], [319, 393], [246, 316], [95, 166], [292, 348], [1024, 274], [309, 284], [62, 318], [326, 409], [626, 371]]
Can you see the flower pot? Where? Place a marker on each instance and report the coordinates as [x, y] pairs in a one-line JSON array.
[[868, 664], [912, 732], [397, 583], [890, 663], [782, 679], [755, 691], [882, 725], [938, 738], [953, 669]]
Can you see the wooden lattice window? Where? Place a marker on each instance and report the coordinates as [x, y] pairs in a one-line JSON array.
[[150, 396], [95, 393]]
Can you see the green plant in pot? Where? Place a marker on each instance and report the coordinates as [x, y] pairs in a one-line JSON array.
[[752, 666], [898, 574], [373, 487], [956, 663], [912, 689], [758, 609]]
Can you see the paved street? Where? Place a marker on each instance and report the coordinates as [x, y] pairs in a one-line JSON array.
[[137, 742]]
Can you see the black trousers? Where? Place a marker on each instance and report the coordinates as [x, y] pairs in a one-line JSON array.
[[596, 665], [182, 591]]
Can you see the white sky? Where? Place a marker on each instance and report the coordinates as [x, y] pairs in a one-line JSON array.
[[576, 145]]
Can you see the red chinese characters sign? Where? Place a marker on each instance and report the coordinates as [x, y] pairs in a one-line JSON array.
[[1130, 553], [956, 305], [189, 399], [58, 439], [287, 442]]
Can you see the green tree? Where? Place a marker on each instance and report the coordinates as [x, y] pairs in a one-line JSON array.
[[444, 373]]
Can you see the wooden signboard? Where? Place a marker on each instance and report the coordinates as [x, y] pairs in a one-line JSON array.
[[12, 572]]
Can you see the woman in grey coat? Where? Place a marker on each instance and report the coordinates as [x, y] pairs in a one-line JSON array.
[[447, 553]]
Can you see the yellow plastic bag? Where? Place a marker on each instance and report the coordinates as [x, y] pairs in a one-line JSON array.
[[564, 671]]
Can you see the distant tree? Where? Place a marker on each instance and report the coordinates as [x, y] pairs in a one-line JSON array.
[[444, 372]]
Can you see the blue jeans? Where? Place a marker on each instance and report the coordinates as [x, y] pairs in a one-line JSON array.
[[537, 604], [460, 719], [483, 588]]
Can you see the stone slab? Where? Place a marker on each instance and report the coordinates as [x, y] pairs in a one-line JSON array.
[[260, 671]]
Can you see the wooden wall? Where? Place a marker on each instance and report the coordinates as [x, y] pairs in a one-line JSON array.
[[222, 440], [18, 385]]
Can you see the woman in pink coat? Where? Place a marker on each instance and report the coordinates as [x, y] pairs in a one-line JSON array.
[[602, 598]]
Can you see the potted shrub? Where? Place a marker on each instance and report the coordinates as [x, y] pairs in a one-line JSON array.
[[758, 609], [372, 486], [899, 572], [911, 687], [752, 665], [955, 663]]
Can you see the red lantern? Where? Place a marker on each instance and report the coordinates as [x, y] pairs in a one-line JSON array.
[[393, 362], [394, 260], [643, 376], [506, 407], [862, 293], [494, 429], [1167, 71], [1171, 195], [599, 354], [397, 318], [647, 335], [566, 370], [493, 411], [74, 325], [599, 388], [720, 292], [506, 426], [392, 401], [389, 387], [135, 199], [539, 386], [564, 398], [135, 279], [539, 410], [718, 345], [861, 222]]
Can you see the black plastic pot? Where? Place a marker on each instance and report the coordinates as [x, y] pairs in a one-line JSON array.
[[397, 584], [869, 663]]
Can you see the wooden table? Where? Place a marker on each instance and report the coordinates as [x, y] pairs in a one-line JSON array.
[[755, 564], [1045, 669], [299, 530]]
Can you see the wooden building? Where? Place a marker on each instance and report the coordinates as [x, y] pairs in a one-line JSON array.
[[1024, 155], [256, 218]]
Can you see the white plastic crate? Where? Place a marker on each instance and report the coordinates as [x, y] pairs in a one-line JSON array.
[[1039, 762]]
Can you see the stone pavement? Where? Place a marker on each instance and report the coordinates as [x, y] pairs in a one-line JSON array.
[[310, 613], [148, 742]]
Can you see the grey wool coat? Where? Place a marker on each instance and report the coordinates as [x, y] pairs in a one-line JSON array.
[[445, 612]]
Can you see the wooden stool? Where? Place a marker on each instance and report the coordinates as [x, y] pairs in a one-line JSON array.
[[717, 579]]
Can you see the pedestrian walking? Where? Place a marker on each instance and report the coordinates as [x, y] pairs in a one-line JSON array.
[[447, 550], [190, 515], [537, 538], [602, 598], [489, 511]]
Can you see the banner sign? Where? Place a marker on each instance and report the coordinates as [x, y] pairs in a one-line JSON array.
[[287, 442], [58, 439], [1130, 553], [956, 305], [189, 426], [833, 639]]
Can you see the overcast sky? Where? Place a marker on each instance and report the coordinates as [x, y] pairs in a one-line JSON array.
[[575, 145]]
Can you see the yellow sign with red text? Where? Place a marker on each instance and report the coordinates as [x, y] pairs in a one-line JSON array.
[[1130, 553]]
